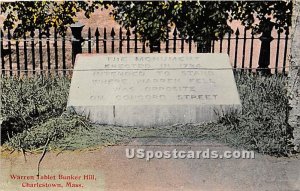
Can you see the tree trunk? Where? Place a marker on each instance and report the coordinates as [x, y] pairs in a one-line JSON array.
[[294, 77]]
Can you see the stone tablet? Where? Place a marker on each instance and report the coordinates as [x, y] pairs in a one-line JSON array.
[[152, 89]]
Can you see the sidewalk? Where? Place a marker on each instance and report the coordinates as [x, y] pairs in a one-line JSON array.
[[116, 172]]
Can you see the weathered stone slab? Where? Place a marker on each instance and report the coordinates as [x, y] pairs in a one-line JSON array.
[[152, 89]]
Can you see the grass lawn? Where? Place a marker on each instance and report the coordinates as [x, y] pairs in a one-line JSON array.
[[33, 115]]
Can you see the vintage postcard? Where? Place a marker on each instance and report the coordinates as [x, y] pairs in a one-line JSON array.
[[150, 95]]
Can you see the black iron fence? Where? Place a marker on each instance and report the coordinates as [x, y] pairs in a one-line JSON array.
[[48, 52]]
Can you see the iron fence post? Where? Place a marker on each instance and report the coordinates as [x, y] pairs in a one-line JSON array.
[[264, 55], [77, 39]]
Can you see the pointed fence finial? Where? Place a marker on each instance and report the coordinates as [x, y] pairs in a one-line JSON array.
[[175, 32], [128, 32], [112, 34], [89, 32], [237, 32], [97, 34]]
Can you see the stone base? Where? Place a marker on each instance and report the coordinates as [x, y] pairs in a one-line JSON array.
[[153, 115]]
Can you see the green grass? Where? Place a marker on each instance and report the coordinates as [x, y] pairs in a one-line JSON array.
[[262, 126], [27, 102], [33, 113]]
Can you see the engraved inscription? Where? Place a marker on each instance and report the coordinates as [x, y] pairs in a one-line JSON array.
[[108, 81], [153, 85], [153, 79], [96, 97], [119, 73], [196, 73], [197, 97], [158, 80], [174, 88], [140, 97], [167, 59]]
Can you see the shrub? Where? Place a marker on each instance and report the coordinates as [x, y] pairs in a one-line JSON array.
[[28, 101], [262, 125]]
